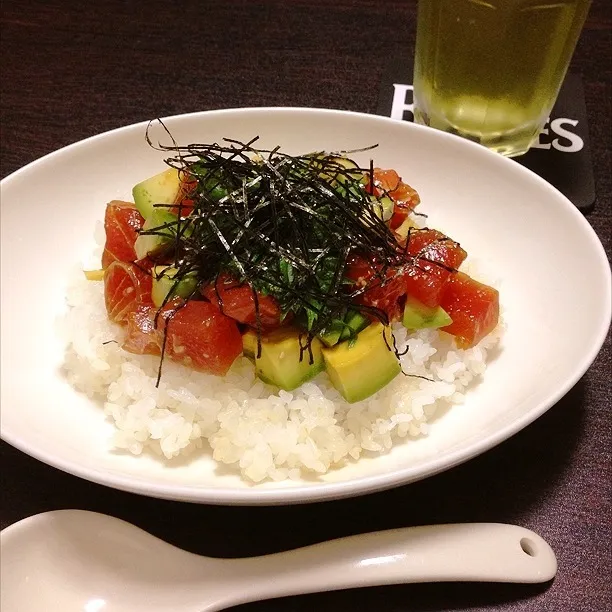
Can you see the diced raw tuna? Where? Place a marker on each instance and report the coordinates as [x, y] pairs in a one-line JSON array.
[[126, 287], [431, 258], [473, 307], [405, 198], [236, 300], [383, 293], [199, 335], [434, 256], [121, 223], [141, 336]]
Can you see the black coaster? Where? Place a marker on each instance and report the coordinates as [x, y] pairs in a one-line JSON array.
[[562, 153]]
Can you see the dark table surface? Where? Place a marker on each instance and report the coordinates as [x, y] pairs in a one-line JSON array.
[[72, 69]]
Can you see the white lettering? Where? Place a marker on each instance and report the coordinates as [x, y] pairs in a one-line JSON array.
[[575, 142], [400, 105]]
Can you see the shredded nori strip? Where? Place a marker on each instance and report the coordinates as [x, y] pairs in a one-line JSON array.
[[286, 225]]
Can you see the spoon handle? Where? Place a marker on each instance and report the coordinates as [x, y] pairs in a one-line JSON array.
[[479, 552]]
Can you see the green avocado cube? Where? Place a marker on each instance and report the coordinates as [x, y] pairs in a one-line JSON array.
[[354, 322], [419, 316], [361, 367], [163, 225], [166, 284], [163, 188], [283, 362]]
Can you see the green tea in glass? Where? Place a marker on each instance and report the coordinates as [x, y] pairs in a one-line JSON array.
[[490, 70]]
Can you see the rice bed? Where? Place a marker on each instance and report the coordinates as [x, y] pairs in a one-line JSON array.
[[263, 432]]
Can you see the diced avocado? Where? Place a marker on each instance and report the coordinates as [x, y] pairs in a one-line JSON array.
[[279, 363], [348, 164], [354, 322], [337, 170], [360, 368], [163, 188], [164, 225], [383, 207], [249, 344], [404, 228], [419, 316], [166, 284]]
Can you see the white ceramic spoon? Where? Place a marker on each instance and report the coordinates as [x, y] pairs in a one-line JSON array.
[[73, 560]]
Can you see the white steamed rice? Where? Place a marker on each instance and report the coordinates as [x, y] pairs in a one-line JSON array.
[[260, 431]]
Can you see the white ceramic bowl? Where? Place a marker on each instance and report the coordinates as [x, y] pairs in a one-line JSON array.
[[554, 283]]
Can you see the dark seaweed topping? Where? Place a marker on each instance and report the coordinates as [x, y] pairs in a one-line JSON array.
[[284, 224]]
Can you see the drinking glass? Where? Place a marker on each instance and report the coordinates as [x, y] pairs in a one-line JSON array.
[[491, 70]]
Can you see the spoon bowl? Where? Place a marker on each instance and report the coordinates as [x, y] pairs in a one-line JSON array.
[[73, 560]]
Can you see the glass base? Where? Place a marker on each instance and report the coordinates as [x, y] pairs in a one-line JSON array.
[[512, 143]]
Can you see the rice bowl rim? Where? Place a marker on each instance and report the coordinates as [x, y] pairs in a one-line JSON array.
[[359, 485]]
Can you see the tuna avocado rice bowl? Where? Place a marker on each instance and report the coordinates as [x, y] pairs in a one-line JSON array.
[[287, 313]]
